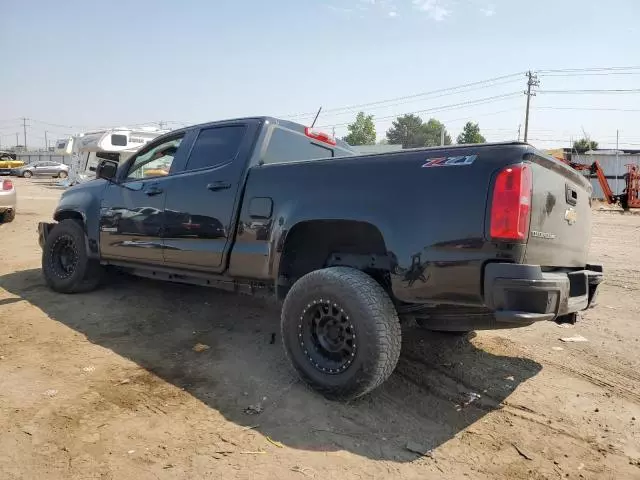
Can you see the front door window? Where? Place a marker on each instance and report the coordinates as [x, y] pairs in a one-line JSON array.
[[156, 162]]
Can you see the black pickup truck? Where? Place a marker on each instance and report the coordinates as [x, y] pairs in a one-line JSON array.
[[456, 238]]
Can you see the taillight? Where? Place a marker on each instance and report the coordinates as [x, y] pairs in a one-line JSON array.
[[320, 136], [511, 203], [7, 185]]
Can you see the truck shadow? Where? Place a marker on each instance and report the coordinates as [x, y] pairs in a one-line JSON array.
[[442, 384]]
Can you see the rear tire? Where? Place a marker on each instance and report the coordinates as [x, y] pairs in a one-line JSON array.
[[8, 216], [27, 174], [66, 265], [341, 332]]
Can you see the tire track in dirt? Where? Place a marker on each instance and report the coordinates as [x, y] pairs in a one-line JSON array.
[[446, 385], [611, 379]]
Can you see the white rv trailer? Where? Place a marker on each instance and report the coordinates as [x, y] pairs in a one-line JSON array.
[[89, 148]]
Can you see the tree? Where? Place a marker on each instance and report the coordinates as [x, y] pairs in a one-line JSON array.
[[432, 133], [362, 131], [404, 130], [584, 145], [411, 132], [471, 134]]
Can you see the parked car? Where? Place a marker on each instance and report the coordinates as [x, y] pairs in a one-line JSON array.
[[8, 201], [350, 245], [42, 169]]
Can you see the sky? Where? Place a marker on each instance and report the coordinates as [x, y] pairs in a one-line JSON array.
[[70, 66]]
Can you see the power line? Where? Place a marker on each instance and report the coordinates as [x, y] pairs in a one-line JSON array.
[[596, 109], [346, 112], [565, 140], [55, 124], [479, 101], [587, 74], [592, 69], [451, 120], [461, 119], [615, 90], [406, 97]]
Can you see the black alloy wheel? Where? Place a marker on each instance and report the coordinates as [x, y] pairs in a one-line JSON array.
[[64, 256], [327, 336]]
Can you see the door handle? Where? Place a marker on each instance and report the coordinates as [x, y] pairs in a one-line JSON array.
[[217, 186], [153, 190]]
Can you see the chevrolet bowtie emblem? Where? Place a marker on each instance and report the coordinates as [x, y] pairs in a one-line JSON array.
[[570, 215]]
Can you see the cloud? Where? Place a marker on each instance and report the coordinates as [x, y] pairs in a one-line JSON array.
[[335, 9], [435, 9], [388, 8], [489, 10]]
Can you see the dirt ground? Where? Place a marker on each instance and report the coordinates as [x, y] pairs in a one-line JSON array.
[[106, 385]]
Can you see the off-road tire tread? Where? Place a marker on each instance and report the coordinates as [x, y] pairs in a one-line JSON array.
[[367, 299], [93, 272]]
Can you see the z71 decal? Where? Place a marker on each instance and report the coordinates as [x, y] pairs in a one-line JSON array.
[[450, 161]]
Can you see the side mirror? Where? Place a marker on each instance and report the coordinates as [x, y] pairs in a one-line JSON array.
[[107, 169]]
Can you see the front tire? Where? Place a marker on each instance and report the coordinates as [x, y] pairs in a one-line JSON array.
[[341, 332], [27, 174], [66, 265], [63, 175]]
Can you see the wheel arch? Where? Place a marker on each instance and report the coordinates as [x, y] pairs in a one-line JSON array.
[[81, 219], [312, 244], [68, 214]]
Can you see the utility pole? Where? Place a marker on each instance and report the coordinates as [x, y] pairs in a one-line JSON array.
[[532, 81], [161, 124], [46, 143], [17, 140], [519, 127], [442, 137], [617, 159], [24, 129]]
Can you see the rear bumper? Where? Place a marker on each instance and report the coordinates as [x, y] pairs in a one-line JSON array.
[[8, 200], [523, 294]]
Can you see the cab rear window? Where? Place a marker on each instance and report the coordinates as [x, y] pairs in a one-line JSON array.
[[286, 146]]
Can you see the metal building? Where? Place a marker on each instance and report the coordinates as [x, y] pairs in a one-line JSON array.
[[614, 168]]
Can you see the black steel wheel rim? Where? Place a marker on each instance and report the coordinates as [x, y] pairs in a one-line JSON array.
[[64, 256], [327, 336]]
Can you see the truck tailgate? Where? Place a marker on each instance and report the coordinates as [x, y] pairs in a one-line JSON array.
[[560, 225]]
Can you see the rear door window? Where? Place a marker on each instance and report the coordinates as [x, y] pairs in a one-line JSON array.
[[216, 146], [286, 146]]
